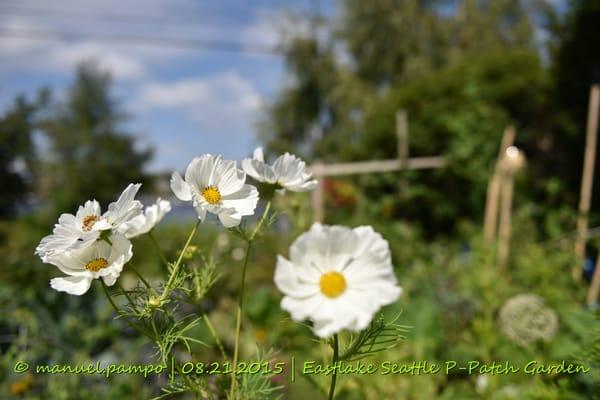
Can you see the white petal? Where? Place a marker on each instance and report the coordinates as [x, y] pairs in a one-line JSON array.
[[110, 274], [71, 284], [199, 172], [229, 220], [101, 225], [249, 169], [260, 171], [53, 244], [201, 211], [69, 222], [301, 309], [325, 328], [134, 227], [243, 201], [180, 188], [289, 283], [120, 247], [125, 208], [68, 263], [229, 178], [258, 154], [311, 248], [371, 241], [90, 207]]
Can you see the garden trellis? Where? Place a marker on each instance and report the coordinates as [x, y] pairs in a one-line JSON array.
[[586, 194], [402, 162]]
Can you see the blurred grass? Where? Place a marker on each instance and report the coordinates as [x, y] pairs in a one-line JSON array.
[[452, 294]]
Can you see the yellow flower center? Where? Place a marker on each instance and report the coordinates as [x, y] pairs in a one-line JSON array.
[[89, 221], [332, 284], [211, 194], [96, 264]]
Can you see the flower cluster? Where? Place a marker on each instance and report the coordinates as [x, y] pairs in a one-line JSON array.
[[287, 172], [336, 277], [91, 244]]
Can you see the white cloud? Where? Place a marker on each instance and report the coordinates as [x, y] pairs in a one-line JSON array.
[[228, 90], [20, 54], [220, 103], [120, 64], [265, 31]]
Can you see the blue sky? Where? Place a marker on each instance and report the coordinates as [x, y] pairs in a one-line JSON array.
[[183, 101]]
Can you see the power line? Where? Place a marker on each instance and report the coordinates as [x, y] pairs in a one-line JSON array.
[[141, 40], [197, 8], [150, 19]]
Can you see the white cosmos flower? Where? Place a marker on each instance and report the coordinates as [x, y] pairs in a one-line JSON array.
[[217, 186], [288, 171], [82, 229], [99, 260], [337, 277], [143, 223]]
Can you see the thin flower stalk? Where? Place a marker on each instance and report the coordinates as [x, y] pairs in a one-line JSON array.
[[240, 308], [335, 346], [177, 265]]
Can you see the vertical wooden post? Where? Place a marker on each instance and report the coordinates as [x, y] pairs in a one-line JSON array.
[[592, 295], [493, 192], [587, 179], [402, 149], [318, 195], [504, 230], [402, 136]]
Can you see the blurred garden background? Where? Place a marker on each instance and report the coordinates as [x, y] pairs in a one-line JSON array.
[[97, 94]]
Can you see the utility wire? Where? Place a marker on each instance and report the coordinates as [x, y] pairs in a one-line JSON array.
[[142, 40], [109, 16], [240, 8]]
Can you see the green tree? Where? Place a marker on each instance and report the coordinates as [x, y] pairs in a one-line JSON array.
[[91, 155], [576, 66], [378, 45], [17, 152], [463, 70]]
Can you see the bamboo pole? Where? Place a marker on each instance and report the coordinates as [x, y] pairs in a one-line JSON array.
[[592, 295], [402, 136], [587, 178], [318, 195], [493, 192], [402, 143], [504, 229], [367, 167]]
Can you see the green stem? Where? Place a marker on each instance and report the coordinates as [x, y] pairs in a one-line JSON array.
[[131, 303], [238, 324], [177, 265], [335, 358], [262, 220], [240, 308], [144, 281], [213, 332], [158, 249], [114, 306]]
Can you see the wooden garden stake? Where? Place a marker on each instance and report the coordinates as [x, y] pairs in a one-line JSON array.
[[587, 179], [402, 143], [510, 164], [493, 192], [592, 295], [402, 136], [402, 162], [504, 229], [318, 195]]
